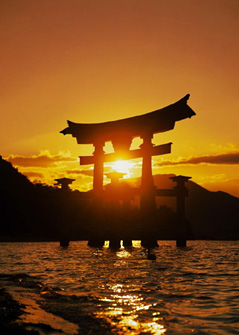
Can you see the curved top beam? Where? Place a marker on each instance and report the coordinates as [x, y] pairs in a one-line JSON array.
[[151, 123], [64, 180]]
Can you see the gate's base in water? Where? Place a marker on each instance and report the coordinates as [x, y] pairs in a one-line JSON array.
[[64, 242]]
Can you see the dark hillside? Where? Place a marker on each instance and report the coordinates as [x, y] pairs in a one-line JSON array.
[[213, 215], [16, 198], [37, 212]]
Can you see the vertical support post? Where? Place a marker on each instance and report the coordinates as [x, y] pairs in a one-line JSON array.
[[98, 167], [95, 239], [65, 199], [114, 243], [127, 242], [147, 199], [181, 193], [65, 187]]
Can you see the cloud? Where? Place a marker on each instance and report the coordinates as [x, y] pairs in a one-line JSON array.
[[45, 168], [43, 159], [87, 172], [81, 172], [222, 159]]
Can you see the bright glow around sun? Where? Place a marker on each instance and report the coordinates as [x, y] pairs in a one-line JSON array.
[[121, 166]]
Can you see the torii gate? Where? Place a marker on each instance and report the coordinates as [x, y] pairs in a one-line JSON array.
[[120, 133]]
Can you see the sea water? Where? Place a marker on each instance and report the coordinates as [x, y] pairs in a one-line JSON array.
[[84, 290]]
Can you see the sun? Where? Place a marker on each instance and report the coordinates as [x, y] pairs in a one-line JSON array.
[[121, 166]]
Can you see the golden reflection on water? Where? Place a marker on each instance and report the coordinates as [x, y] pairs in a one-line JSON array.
[[122, 309], [135, 244], [123, 313], [107, 244]]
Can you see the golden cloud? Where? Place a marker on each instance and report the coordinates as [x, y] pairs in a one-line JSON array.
[[43, 159], [80, 172], [223, 159]]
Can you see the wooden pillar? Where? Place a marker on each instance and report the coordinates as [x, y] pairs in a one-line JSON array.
[[98, 167], [64, 242], [114, 243], [181, 194], [65, 206], [127, 242], [95, 239], [149, 241], [147, 201]]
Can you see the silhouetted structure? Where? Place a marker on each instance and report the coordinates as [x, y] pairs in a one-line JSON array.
[[121, 133], [64, 242], [64, 183], [115, 176], [181, 193], [118, 196]]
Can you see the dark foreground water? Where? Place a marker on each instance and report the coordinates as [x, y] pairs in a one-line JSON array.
[[83, 290]]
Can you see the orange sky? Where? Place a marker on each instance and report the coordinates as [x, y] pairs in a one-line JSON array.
[[93, 61]]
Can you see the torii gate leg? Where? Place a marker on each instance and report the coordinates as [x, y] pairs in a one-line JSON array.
[[98, 168], [95, 239], [181, 193], [147, 200]]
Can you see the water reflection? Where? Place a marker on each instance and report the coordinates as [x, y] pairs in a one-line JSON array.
[[135, 244], [126, 312], [123, 310]]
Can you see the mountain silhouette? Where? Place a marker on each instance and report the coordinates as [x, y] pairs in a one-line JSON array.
[[35, 212], [212, 215]]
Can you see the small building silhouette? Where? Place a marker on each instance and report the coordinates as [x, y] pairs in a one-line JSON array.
[[64, 183]]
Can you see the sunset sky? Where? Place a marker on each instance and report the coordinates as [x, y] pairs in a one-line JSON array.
[[100, 60]]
